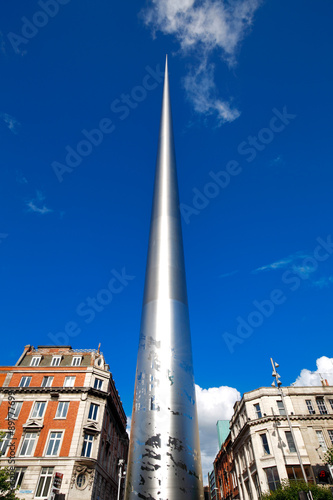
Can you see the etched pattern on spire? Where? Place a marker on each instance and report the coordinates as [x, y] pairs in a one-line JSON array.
[[164, 458]]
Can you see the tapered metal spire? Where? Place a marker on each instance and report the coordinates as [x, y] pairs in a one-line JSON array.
[[164, 458]]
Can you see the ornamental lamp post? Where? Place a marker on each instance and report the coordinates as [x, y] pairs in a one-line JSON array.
[[279, 383], [121, 475]]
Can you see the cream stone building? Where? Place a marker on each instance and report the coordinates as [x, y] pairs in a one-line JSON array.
[[263, 447], [64, 424]]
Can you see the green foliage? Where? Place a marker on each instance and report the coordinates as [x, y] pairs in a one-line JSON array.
[[6, 492], [289, 491], [329, 456]]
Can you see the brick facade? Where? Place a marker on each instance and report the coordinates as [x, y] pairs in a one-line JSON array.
[[73, 424]]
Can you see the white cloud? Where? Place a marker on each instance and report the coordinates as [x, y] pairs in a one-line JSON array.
[[128, 427], [11, 122], [286, 262], [34, 205], [226, 275], [323, 282], [215, 403], [324, 371], [201, 28], [200, 87]]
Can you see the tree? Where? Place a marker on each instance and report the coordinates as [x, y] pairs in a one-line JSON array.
[[6, 490], [329, 456], [288, 490]]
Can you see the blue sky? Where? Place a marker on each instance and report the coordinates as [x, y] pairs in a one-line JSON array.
[[251, 89]]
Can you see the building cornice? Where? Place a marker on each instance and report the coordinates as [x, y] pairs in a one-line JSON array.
[[54, 391]]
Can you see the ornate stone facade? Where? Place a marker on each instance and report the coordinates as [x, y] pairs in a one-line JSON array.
[[65, 416]]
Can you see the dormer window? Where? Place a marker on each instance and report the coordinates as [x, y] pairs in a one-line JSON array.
[[35, 360], [76, 361], [56, 361]]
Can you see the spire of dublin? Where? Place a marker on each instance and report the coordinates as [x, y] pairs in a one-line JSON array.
[[164, 460]]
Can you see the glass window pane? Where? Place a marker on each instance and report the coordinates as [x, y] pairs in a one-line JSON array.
[[281, 408], [46, 486], [265, 444], [330, 434], [290, 441], [321, 406], [310, 407], [321, 440], [258, 410]]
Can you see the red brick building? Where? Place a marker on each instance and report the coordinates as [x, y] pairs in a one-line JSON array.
[[63, 418], [225, 472]]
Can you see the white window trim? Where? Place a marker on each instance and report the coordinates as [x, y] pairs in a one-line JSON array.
[[12, 417], [262, 433], [325, 447], [20, 468], [61, 418], [97, 413], [56, 358], [25, 376], [39, 477], [75, 358], [12, 434], [48, 440], [101, 385], [22, 441], [47, 376], [68, 378], [38, 358], [92, 445], [33, 407]]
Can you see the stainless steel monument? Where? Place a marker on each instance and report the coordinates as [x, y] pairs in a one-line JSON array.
[[164, 457]]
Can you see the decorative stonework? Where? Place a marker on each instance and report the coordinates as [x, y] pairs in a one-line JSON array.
[[87, 471]]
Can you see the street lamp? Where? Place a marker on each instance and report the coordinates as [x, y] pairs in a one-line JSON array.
[[279, 383], [121, 475]]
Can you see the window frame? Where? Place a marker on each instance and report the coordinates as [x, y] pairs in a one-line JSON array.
[[330, 435], [34, 442], [321, 405], [24, 384], [69, 378], [6, 441], [34, 409], [99, 382], [322, 444], [61, 416], [281, 408], [47, 377], [44, 476], [19, 476], [51, 447], [257, 409], [35, 360], [93, 412], [310, 407], [55, 359], [88, 439], [263, 437], [274, 473], [290, 442], [75, 358], [16, 413]]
